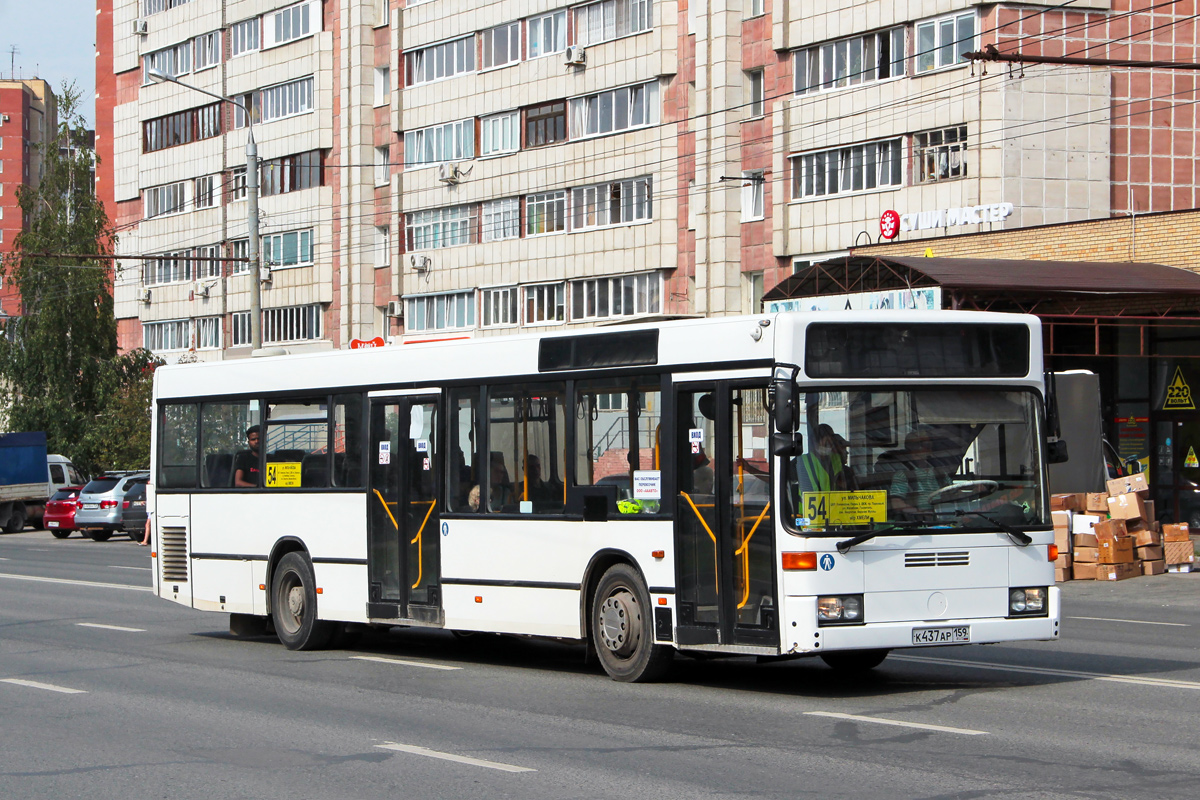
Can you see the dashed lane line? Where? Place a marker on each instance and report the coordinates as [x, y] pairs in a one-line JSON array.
[[402, 662], [895, 722], [147, 569], [1135, 621], [93, 584], [1167, 683], [475, 762], [109, 627], [49, 687]]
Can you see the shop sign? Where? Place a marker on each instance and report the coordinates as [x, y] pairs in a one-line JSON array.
[[1179, 394], [366, 344], [925, 299], [946, 217], [889, 224]]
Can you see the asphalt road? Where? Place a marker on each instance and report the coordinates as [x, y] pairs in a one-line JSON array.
[[108, 692]]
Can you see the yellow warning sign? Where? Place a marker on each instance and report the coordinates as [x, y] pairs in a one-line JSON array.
[[1191, 462], [929, 252], [282, 474], [844, 508], [1179, 394]]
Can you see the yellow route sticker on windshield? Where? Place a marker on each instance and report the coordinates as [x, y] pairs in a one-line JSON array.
[[283, 474], [844, 508]]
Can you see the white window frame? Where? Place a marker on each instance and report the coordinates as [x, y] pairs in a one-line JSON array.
[[167, 336], [608, 295], [756, 85], [544, 304], [206, 46], [599, 114], [166, 200], [383, 250], [440, 61], [239, 248], [383, 165], [275, 244], [210, 267], [291, 324], [239, 329], [237, 184], [757, 9], [606, 20], [753, 195], [155, 6], [436, 228], [383, 86], [291, 24], [285, 100], [204, 191], [448, 311], [208, 333], [450, 141], [501, 219], [500, 42], [831, 65], [245, 37], [500, 133], [546, 205], [546, 34], [605, 205], [172, 61], [846, 161], [499, 307], [940, 155], [167, 268], [932, 51]]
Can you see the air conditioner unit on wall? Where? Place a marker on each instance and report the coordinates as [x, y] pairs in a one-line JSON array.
[[576, 56], [145, 296], [420, 263], [448, 173], [395, 308], [140, 27]]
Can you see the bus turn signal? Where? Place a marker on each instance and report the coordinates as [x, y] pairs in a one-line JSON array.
[[1052, 553], [796, 561]]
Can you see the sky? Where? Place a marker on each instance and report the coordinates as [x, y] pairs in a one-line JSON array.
[[55, 41]]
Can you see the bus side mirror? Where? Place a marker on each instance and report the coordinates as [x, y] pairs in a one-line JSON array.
[[786, 445], [1056, 452], [784, 403]]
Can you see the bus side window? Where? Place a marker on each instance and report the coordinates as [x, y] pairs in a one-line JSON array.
[[177, 458], [223, 429], [347, 440], [461, 452], [617, 432], [527, 448]]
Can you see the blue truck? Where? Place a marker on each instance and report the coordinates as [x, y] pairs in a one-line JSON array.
[[29, 476]]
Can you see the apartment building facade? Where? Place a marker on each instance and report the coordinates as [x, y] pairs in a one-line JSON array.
[[476, 168]]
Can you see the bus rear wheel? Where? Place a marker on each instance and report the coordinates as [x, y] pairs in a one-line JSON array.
[[623, 628], [294, 605], [854, 660]]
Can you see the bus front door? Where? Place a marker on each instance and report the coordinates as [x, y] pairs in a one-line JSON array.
[[403, 563], [724, 531]]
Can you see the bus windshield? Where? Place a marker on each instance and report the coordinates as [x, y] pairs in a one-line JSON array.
[[916, 458]]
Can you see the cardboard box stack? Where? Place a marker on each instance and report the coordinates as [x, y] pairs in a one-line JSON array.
[[1178, 553], [1113, 536]]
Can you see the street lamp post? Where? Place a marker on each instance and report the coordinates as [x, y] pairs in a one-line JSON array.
[[251, 204]]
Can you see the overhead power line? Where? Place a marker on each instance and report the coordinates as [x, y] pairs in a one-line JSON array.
[[990, 53]]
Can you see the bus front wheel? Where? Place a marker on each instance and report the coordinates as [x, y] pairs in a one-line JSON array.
[[623, 628], [854, 660], [294, 605]]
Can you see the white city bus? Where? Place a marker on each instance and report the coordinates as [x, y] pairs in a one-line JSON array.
[[828, 484]]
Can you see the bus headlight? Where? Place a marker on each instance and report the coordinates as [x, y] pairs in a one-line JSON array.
[[1026, 602], [844, 609]]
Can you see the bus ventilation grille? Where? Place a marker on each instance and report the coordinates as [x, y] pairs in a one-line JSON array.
[[958, 558], [172, 554]]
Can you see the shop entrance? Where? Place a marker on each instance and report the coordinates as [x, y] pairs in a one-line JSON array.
[[1176, 467]]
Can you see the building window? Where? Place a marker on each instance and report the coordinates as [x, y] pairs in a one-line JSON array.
[[237, 184], [753, 287], [864, 59], [500, 134], [546, 124], [501, 219], [160, 337], [163, 200], [382, 165], [941, 155], [614, 110], [208, 333], [383, 253], [545, 304], [207, 50], [171, 61], [181, 128], [275, 102], [239, 328], [624, 296], [167, 268], [204, 194], [291, 324], [383, 85], [941, 42], [848, 169], [440, 312], [243, 37], [499, 307], [753, 191], [616, 203], [154, 6], [453, 141], [546, 213], [548, 34], [441, 227], [291, 173], [208, 261], [755, 86], [289, 24], [500, 46], [756, 9], [291, 249], [239, 249], [443, 60], [610, 19]]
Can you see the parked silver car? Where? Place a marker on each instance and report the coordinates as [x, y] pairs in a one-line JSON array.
[[99, 513]]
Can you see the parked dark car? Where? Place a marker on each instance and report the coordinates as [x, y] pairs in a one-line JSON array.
[[133, 512], [99, 514], [59, 516]]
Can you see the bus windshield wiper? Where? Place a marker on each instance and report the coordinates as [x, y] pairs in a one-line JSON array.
[[1017, 536], [844, 546]]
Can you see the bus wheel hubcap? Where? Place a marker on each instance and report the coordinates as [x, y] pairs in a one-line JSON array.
[[295, 601], [620, 623]]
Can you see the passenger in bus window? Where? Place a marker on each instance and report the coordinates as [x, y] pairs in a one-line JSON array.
[[822, 468], [918, 477], [501, 487], [539, 490], [245, 465]]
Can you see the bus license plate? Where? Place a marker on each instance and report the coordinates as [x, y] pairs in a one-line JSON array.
[[956, 635]]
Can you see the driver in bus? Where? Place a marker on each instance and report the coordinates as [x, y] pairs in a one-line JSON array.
[[822, 469], [917, 477], [245, 465]]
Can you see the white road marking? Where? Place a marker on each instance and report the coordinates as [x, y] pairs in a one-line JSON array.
[[95, 584], [402, 662], [109, 627], [145, 568], [1135, 621], [1062, 673], [47, 686], [475, 762], [897, 723]]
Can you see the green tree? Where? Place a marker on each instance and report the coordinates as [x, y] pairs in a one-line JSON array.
[[59, 367]]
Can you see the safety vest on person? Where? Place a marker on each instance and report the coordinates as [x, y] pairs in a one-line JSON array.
[[819, 478]]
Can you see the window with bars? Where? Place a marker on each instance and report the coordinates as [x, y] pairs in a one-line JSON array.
[[163, 200], [441, 227], [208, 333], [611, 19], [615, 203], [546, 212], [623, 296], [183, 127], [941, 42], [614, 110], [204, 195], [452, 141], [170, 61], [244, 37], [239, 329], [500, 133], [846, 170], [498, 307], [439, 61], [940, 155], [440, 312], [546, 124], [291, 173], [500, 46], [545, 304], [206, 50], [547, 34], [501, 219], [161, 337], [289, 24], [291, 249], [877, 56], [275, 102], [291, 324]]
